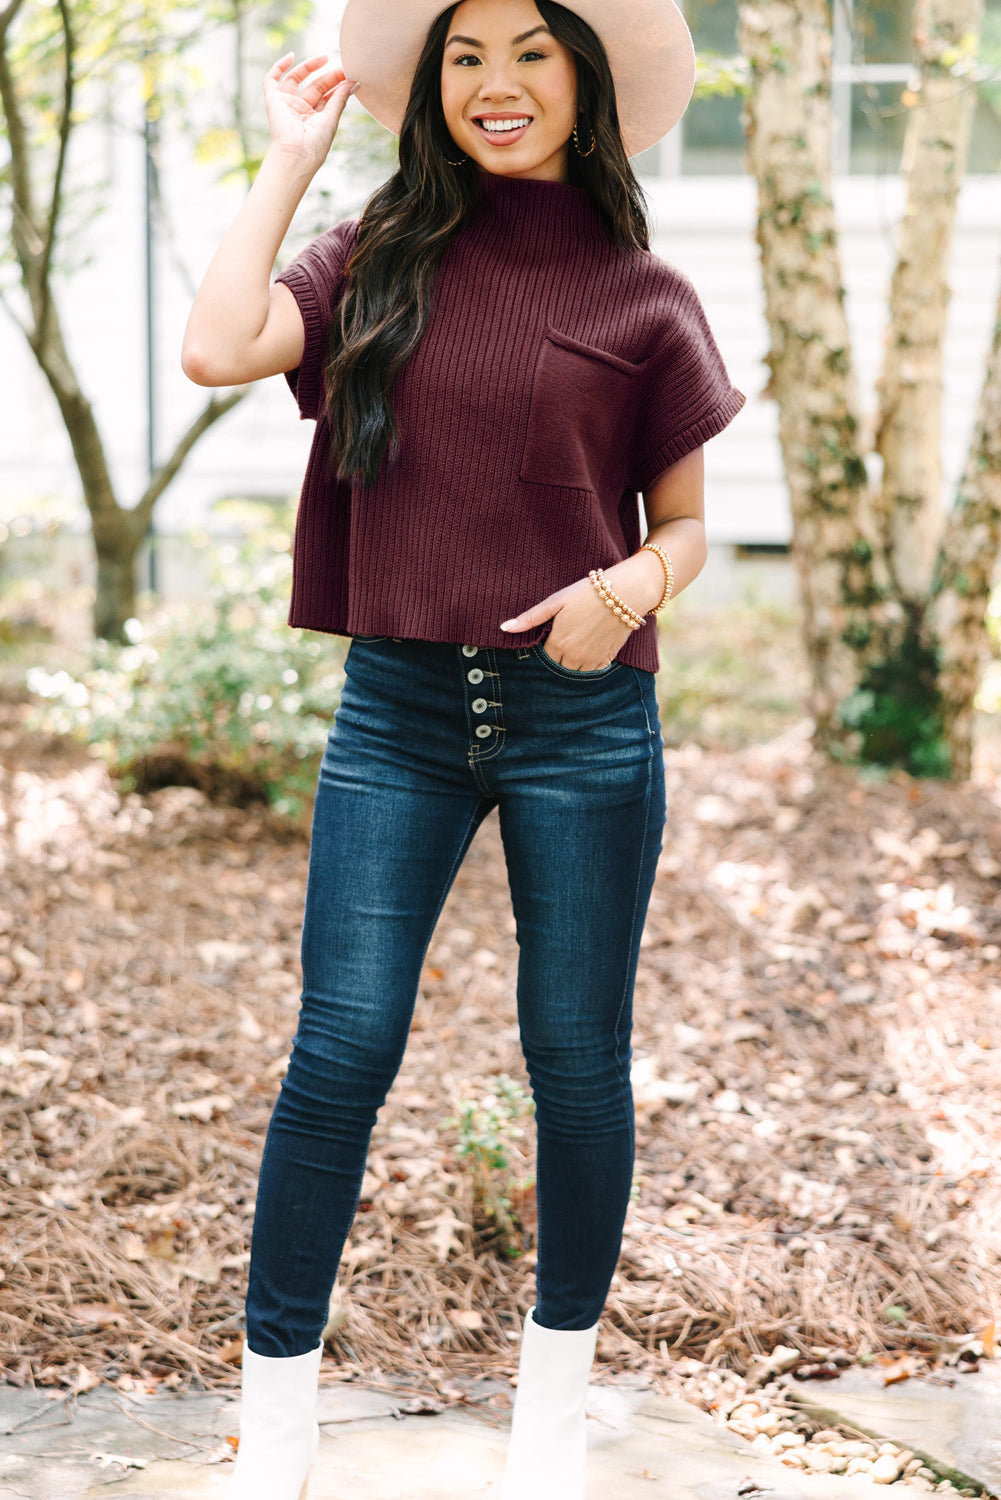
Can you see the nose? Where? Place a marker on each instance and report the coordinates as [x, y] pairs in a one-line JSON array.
[[498, 84]]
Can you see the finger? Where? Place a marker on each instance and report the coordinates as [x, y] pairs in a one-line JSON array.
[[302, 70], [317, 88], [337, 98], [278, 68], [537, 615]]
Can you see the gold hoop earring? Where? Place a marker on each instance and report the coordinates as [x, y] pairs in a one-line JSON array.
[[576, 142], [460, 163]]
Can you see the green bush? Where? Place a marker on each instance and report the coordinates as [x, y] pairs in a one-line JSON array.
[[223, 695]]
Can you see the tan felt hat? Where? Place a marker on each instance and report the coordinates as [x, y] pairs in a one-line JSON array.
[[648, 43]]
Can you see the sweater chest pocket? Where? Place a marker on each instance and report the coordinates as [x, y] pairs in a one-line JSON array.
[[580, 419]]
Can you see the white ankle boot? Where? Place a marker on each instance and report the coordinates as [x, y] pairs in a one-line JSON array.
[[547, 1453], [279, 1434]]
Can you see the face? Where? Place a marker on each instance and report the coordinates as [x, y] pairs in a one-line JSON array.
[[509, 89]]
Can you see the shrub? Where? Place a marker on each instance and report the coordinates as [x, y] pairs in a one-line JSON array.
[[223, 696], [489, 1136]]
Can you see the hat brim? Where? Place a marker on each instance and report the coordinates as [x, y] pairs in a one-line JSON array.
[[649, 46]]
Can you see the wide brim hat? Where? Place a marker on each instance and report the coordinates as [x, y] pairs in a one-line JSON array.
[[649, 47]]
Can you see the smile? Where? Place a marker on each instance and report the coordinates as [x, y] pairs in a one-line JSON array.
[[504, 131]]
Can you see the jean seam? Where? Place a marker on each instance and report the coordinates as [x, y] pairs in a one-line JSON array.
[[636, 900], [475, 819], [476, 755], [558, 670], [639, 688]]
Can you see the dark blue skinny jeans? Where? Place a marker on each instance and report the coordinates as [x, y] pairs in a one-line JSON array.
[[428, 737]]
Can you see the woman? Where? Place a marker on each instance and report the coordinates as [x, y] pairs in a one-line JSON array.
[[497, 365]]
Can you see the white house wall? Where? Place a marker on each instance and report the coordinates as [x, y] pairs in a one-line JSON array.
[[705, 226]]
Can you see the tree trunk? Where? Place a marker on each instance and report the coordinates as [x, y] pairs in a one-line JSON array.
[[118, 531], [841, 578], [966, 569], [908, 429], [895, 635], [116, 545]]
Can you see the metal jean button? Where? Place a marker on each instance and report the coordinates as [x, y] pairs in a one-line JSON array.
[[483, 731], [470, 650], [480, 705], [475, 676]]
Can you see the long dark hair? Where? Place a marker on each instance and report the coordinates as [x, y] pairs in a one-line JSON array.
[[408, 224]]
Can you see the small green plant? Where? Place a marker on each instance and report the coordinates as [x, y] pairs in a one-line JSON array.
[[488, 1131], [221, 695], [898, 712]]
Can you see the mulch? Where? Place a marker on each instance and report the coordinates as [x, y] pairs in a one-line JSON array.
[[817, 1061]]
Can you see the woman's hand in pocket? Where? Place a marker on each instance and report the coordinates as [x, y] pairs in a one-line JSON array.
[[586, 635]]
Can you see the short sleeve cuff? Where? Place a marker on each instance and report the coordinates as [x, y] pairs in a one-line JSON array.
[[306, 382], [685, 442]]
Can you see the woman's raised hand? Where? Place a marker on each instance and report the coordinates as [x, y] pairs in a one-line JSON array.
[[304, 105]]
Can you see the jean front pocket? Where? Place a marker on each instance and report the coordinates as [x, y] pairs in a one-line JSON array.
[[579, 424], [559, 670]]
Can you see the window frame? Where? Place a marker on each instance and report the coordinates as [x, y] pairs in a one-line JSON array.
[[666, 159]]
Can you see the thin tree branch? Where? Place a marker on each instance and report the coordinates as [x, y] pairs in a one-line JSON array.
[[207, 417], [967, 568], [55, 204], [17, 137], [8, 13], [909, 390]]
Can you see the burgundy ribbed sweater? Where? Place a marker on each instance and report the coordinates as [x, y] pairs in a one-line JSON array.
[[557, 378]]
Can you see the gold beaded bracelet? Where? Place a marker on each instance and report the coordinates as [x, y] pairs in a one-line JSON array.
[[668, 575], [618, 606]]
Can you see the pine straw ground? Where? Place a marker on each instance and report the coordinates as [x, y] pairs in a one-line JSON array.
[[817, 1049]]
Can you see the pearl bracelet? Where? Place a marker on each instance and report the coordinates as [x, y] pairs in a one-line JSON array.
[[618, 606], [668, 574]]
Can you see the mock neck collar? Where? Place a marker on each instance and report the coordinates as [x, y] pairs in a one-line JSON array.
[[535, 205]]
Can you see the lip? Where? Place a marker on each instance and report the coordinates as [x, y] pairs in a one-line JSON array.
[[505, 137]]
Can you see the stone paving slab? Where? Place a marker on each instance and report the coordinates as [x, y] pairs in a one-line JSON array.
[[953, 1421], [641, 1445]]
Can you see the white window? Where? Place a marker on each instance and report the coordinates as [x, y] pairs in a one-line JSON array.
[[872, 72]]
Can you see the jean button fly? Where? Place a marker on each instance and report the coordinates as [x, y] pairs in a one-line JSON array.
[[475, 676], [470, 650], [482, 731], [480, 705]]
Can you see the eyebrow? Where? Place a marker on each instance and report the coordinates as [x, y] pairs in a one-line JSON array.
[[470, 41]]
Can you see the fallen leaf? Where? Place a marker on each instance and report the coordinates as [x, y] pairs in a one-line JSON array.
[[124, 1461], [96, 1314], [203, 1267], [467, 1317], [447, 1233], [250, 1026], [217, 952], [202, 1109], [25, 959], [901, 1369]]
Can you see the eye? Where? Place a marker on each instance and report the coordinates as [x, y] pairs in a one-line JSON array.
[[471, 57]]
